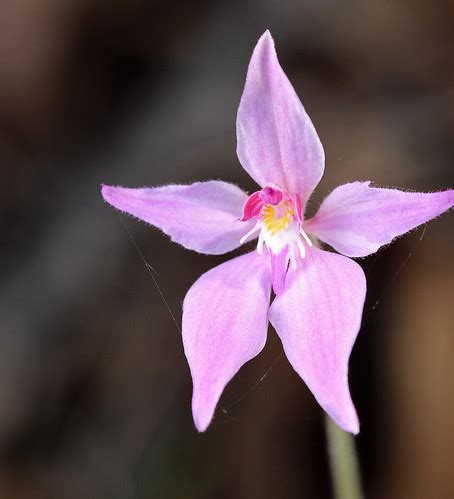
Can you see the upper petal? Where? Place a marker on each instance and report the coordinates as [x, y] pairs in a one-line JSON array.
[[277, 142], [203, 216], [356, 219], [225, 320], [318, 317]]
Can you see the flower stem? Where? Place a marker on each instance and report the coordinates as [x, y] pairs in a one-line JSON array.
[[343, 462]]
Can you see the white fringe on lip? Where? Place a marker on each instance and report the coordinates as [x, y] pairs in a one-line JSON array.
[[306, 237], [256, 227], [289, 237]]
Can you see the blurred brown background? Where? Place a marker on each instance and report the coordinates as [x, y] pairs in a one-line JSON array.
[[94, 387]]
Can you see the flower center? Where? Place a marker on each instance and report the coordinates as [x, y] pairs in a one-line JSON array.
[[279, 221], [277, 218]]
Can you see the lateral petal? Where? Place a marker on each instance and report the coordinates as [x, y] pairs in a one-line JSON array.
[[225, 320], [277, 142], [356, 219], [318, 317], [203, 216]]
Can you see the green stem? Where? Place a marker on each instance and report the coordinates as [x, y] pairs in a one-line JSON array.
[[343, 462]]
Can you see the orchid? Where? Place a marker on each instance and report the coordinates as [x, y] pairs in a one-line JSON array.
[[318, 294]]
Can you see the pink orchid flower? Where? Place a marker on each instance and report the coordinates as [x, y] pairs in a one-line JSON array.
[[319, 294]]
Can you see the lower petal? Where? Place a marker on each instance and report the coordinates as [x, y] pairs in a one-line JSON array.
[[225, 321], [318, 318]]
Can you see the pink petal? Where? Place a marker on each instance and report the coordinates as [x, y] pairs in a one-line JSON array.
[[318, 318], [277, 142], [225, 319], [271, 195], [298, 208], [253, 206], [279, 265], [356, 219], [203, 217]]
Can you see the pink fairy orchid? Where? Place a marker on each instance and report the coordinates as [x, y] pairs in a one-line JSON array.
[[319, 294]]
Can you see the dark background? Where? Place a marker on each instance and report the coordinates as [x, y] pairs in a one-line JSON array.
[[94, 387]]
